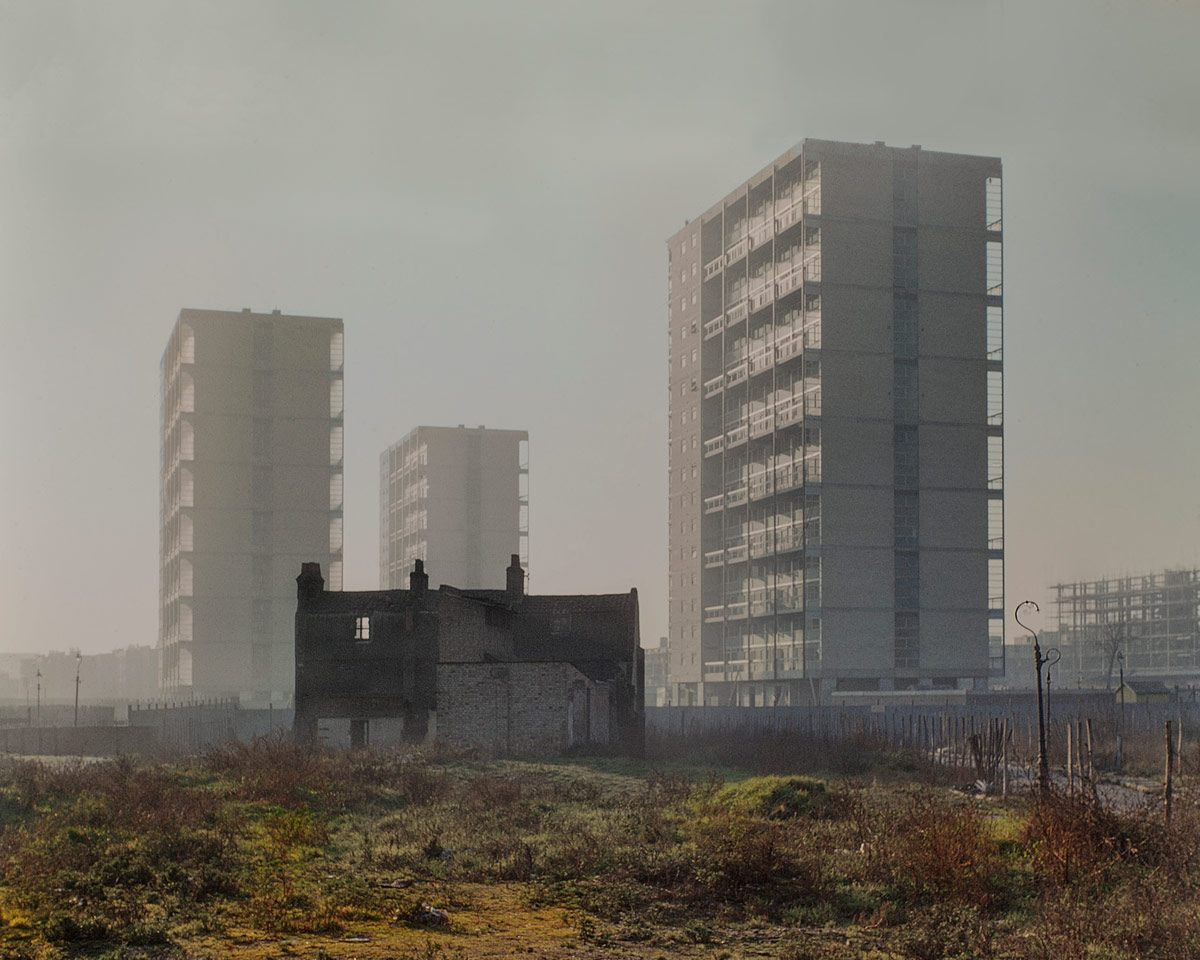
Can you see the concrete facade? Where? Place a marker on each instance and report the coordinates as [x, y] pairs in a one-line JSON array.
[[836, 430], [456, 498], [498, 671], [251, 485]]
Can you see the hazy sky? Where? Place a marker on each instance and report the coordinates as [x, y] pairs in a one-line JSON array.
[[483, 193]]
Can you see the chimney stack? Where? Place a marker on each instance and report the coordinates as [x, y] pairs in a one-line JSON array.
[[418, 580], [310, 584], [516, 579]]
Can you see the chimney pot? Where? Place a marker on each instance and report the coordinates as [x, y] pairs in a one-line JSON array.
[[515, 583], [418, 580], [310, 584]]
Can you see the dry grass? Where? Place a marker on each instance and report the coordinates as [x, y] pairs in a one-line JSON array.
[[258, 847]]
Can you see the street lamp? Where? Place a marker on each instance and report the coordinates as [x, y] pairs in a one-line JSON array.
[[78, 664], [1039, 661]]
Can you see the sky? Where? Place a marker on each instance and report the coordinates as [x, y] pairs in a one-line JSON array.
[[483, 192]]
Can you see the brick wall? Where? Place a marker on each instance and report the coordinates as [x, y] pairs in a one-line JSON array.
[[515, 709]]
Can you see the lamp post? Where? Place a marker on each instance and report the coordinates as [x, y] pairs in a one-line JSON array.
[[39, 696], [1039, 661], [1120, 758], [78, 664]]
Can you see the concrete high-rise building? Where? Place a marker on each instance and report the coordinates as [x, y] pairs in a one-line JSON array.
[[836, 430], [457, 498], [251, 487]]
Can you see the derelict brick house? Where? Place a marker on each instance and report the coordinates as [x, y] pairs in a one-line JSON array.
[[498, 670]]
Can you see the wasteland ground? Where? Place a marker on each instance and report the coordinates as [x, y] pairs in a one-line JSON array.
[[268, 851]]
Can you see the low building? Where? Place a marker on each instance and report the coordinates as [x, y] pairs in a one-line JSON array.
[[1143, 691], [500, 671]]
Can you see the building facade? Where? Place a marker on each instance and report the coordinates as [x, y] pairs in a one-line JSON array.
[[456, 498], [251, 486], [499, 671], [1144, 627], [836, 429]]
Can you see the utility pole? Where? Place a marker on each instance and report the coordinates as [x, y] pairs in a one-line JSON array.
[[39, 696], [78, 664]]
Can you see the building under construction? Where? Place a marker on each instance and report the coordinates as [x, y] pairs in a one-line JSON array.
[[1144, 626]]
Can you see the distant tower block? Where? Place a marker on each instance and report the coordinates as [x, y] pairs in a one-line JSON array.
[[251, 486], [836, 460], [457, 498]]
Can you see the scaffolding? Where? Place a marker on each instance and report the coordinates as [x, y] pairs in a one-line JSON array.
[[1145, 625]]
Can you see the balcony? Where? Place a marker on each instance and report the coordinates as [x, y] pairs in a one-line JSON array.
[[788, 215], [736, 437], [812, 331], [788, 537], [759, 544], [714, 670], [737, 313], [714, 446], [713, 504], [789, 346], [713, 558], [736, 553], [737, 251], [789, 411], [714, 614], [788, 599], [737, 374], [714, 327], [736, 497], [761, 485], [761, 360], [713, 267], [736, 610], [761, 603], [788, 476], [714, 386], [762, 423]]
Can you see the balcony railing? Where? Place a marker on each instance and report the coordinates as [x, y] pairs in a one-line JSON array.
[[736, 375], [761, 359], [714, 327], [714, 614], [736, 497], [736, 436], [735, 553], [714, 558], [761, 485], [713, 504], [736, 610], [789, 411], [713, 267], [714, 386], [789, 346], [736, 313], [760, 232], [737, 251], [714, 446], [762, 422]]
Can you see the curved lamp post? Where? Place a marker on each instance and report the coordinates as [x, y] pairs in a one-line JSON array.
[[1052, 657]]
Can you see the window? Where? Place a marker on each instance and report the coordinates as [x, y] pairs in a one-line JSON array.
[[905, 327], [906, 519], [905, 397], [907, 641], [907, 581], [906, 457], [904, 258], [362, 628]]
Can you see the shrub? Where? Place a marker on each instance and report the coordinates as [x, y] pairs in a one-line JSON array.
[[776, 798]]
